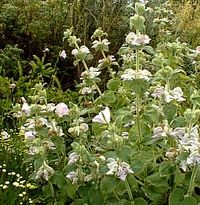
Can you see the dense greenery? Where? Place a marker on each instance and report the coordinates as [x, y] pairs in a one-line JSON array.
[[94, 107]]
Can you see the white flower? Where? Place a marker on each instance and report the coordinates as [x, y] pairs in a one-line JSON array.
[[178, 132], [130, 74], [63, 54], [84, 49], [175, 94], [159, 132], [30, 135], [103, 117], [46, 50], [92, 73], [72, 176], [120, 169], [137, 39], [44, 172], [12, 86], [86, 90], [5, 135], [144, 1], [73, 158], [158, 92], [26, 109], [74, 51], [198, 49], [83, 127], [62, 109]]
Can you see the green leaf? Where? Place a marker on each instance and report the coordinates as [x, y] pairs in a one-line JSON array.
[[108, 97], [177, 198], [170, 111], [59, 179], [95, 196], [167, 169], [48, 190], [108, 183], [140, 201], [113, 84], [156, 180]]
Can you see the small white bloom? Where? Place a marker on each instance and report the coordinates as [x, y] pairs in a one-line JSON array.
[[103, 117], [137, 39], [44, 172], [12, 86], [177, 94], [159, 132], [158, 92], [63, 54], [46, 50], [26, 109], [73, 177], [74, 51], [198, 49], [73, 158], [5, 135], [120, 169], [62, 109], [30, 135], [83, 127]]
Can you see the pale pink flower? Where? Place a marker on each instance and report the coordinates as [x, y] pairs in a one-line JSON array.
[[103, 117], [62, 109]]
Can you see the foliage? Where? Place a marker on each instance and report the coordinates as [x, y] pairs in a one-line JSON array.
[[134, 140]]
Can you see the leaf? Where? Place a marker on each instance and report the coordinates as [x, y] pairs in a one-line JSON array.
[[156, 180], [108, 183], [140, 201], [95, 196], [113, 84], [48, 190], [59, 179], [108, 97], [167, 169], [177, 198], [170, 111]]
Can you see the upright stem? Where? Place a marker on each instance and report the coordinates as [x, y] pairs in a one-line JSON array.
[[104, 56], [192, 180], [86, 68], [128, 190], [138, 100]]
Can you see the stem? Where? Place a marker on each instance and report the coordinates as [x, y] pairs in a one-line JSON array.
[[86, 67], [128, 190], [104, 56], [192, 180], [138, 99], [191, 119], [118, 199], [97, 87]]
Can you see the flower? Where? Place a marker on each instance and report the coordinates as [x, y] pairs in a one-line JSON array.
[[62, 109], [30, 135], [130, 74], [83, 127], [198, 50], [120, 169], [26, 109], [158, 92], [103, 117], [92, 73], [159, 132], [44, 172], [137, 39], [72, 176], [73, 158], [5, 135], [63, 54]]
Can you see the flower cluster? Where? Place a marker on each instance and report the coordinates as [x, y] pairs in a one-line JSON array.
[[120, 169], [137, 39]]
